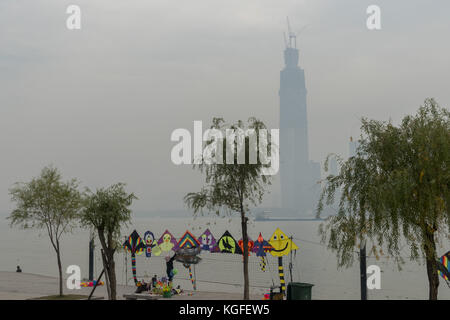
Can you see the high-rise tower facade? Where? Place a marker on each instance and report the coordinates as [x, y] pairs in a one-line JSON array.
[[299, 175]]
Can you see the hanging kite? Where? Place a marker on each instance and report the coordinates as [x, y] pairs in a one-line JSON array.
[[135, 246], [156, 250], [249, 246], [207, 241], [188, 241], [151, 245], [227, 244], [444, 267], [167, 242], [189, 248], [260, 248], [281, 246]]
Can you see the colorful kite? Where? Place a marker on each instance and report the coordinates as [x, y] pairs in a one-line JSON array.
[[188, 241], [227, 244], [281, 246], [249, 246], [444, 267], [189, 247], [135, 246], [167, 242], [261, 247], [151, 245], [207, 241]]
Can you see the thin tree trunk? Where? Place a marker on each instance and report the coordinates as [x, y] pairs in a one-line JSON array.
[[112, 267], [58, 256], [108, 264], [106, 268], [245, 253], [112, 279], [430, 255]]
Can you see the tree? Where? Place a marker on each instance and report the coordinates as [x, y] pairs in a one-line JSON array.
[[231, 186], [395, 190], [107, 210], [47, 203]]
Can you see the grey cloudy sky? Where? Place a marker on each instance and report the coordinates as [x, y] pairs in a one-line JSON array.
[[100, 103]]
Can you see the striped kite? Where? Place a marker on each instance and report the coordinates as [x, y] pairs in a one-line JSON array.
[[444, 267], [189, 248], [135, 245]]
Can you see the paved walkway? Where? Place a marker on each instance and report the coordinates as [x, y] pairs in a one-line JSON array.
[[20, 286]]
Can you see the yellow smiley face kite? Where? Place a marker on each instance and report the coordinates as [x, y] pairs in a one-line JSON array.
[[281, 244]]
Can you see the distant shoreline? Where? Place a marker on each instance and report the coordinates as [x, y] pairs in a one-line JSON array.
[[289, 219]]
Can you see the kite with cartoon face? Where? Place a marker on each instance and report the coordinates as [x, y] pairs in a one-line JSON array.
[[207, 240], [151, 245], [148, 240], [167, 242], [281, 244]]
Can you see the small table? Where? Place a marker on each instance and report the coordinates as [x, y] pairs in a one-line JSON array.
[[143, 296]]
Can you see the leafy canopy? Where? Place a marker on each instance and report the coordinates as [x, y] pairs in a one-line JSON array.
[[107, 210], [232, 186], [46, 202], [395, 190]]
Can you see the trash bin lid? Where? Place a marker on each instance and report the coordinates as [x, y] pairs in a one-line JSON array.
[[301, 284]]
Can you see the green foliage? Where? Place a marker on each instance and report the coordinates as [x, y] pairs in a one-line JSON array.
[[395, 190], [231, 187], [46, 203], [107, 210]]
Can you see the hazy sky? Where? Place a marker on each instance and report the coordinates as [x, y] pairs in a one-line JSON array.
[[100, 103]]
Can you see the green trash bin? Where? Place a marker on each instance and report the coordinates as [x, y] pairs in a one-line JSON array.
[[299, 291]]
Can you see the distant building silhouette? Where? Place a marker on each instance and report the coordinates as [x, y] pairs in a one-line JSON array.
[[299, 176], [352, 146], [332, 166]]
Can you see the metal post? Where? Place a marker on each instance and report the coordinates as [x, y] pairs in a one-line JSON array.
[[290, 262], [91, 259], [195, 279]]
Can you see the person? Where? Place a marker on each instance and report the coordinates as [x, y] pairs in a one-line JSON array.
[[18, 269], [169, 265], [154, 280]]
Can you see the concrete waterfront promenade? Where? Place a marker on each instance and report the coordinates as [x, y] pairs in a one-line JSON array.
[[21, 286]]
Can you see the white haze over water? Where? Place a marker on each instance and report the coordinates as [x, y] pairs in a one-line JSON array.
[[313, 263]]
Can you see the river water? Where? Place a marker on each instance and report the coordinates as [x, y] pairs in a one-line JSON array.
[[312, 263]]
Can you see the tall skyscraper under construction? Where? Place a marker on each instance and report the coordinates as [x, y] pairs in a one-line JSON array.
[[299, 175]]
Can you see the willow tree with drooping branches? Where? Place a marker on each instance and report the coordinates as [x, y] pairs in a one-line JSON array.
[[107, 211], [394, 191], [232, 186]]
